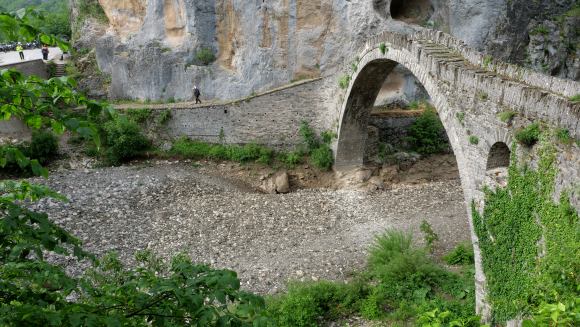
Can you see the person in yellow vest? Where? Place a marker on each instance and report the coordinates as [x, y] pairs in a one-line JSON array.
[[20, 51]]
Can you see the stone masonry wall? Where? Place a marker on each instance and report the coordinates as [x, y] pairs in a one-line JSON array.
[[30, 67], [272, 118]]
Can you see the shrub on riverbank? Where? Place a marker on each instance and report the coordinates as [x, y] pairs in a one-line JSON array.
[[402, 281]]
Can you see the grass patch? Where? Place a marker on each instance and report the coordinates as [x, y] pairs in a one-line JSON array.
[[164, 117], [473, 140], [529, 135], [343, 81], [507, 115], [140, 115]]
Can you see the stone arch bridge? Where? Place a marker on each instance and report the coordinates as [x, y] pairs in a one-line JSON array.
[[469, 90]]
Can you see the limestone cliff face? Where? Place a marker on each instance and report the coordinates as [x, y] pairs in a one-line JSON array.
[[149, 46], [541, 35]]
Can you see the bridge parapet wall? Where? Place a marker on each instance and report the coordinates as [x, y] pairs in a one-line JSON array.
[[536, 96]]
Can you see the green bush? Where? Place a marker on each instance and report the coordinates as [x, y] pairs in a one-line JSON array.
[[529, 135], [473, 140], [238, 153], [219, 152], [371, 307], [562, 134], [384, 247], [191, 149], [424, 133], [383, 48], [507, 115], [253, 150], [165, 116], [308, 136], [124, 140], [140, 115], [343, 81], [42, 146], [92, 151], [293, 158], [431, 238], [322, 157], [266, 156], [305, 301], [328, 136], [204, 57], [462, 255]]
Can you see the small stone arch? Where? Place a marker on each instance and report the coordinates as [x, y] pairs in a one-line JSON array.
[[498, 156]]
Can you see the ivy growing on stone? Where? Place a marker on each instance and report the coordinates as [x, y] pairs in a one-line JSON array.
[[529, 243]]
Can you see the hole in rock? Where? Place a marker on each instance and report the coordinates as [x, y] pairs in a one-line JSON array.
[[410, 11]]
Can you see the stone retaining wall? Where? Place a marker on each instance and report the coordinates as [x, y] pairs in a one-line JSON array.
[[30, 67], [272, 118]]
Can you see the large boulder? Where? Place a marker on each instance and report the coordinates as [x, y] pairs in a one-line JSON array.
[[277, 183]]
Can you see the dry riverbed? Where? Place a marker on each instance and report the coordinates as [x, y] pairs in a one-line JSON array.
[[267, 239]]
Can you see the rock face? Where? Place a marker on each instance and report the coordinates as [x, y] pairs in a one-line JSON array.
[[541, 35], [152, 45]]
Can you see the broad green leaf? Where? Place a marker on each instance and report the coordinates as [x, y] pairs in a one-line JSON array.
[[72, 82], [92, 321], [72, 124], [16, 250], [443, 315], [95, 108], [9, 26], [20, 13], [46, 39], [3, 162], [86, 132], [123, 119], [97, 140], [58, 128], [561, 307], [36, 167]]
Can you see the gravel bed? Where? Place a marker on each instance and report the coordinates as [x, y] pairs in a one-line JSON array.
[[267, 239]]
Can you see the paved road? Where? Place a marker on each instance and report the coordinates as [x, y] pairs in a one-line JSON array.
[[12, 56]]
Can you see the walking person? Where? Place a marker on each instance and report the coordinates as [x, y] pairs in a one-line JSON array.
[[20, 51], [197, 94], [44, 52]]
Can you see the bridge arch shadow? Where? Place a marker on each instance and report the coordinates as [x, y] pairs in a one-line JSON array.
[[498, 156], [353, 126]]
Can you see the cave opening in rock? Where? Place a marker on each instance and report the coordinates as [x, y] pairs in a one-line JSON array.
[[397, 8], [410, 11]]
